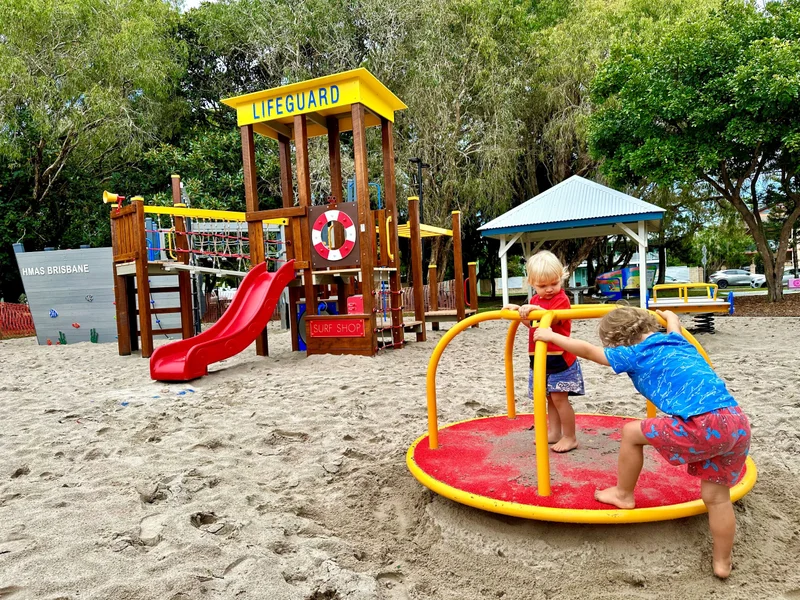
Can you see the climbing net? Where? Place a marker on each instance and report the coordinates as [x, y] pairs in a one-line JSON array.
[[212, 243]]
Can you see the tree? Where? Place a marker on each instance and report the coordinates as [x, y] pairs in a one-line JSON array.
[[725, 239], [716, 101], [84, 85]]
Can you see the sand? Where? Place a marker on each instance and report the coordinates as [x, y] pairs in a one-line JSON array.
[[285, 478]]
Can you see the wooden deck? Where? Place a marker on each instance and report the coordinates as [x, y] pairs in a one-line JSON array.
[[445, 316]]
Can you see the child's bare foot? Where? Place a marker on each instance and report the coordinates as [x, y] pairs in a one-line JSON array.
[[553, 436], [722, 567], [615, 497], [565, 444]]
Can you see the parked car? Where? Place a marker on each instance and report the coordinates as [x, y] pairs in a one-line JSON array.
[[731, 277], [671, 279], [760, 281]]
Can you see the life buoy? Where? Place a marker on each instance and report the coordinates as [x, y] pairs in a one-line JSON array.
[[349, 235]]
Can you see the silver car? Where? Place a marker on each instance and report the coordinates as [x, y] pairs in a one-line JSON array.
[[730, 277], [760, 281]]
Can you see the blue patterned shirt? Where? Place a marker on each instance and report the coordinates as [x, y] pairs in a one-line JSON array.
[[672, 374]]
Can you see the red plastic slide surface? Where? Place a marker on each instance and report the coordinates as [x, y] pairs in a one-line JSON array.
[[246, 317]]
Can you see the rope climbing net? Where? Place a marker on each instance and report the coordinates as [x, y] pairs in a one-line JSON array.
[[215, 243]]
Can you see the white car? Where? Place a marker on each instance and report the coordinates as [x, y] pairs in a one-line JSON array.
[[760, 281], [731, 277], [671, 279]]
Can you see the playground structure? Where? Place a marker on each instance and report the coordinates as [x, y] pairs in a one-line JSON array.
[[621, 281], [486, 462], [614, 284], [703, 308], [342, 252]]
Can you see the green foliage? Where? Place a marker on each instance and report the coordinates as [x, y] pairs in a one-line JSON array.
[[84, 86], [715, 99], [726, 241]]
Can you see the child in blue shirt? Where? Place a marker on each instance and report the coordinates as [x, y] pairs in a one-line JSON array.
[[704, 427]]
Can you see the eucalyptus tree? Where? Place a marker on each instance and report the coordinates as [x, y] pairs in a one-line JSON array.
[[84, 84], [463, 83], [714, 101]]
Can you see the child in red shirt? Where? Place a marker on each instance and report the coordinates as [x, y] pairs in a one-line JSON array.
[[564, 376]]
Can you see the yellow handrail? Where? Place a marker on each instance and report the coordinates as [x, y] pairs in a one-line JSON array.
[[683, 289], [203, 213], [545, 318]]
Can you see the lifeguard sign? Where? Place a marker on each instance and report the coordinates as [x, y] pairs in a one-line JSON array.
[[272, 112], [334, 245]]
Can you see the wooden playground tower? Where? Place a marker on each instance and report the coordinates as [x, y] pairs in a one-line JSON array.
[[342, 248]]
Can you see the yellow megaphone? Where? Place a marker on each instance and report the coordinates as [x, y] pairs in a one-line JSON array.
[[110, 198]]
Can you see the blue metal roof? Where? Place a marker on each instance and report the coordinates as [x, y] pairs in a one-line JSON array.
[[575, 202]]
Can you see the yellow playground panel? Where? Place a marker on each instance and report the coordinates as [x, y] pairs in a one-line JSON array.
[[271, 112], [541, 500]]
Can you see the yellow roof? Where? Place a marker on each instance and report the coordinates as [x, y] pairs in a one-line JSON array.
[[272, 111]]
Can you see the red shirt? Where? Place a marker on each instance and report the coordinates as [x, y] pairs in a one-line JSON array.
[[557, 302]]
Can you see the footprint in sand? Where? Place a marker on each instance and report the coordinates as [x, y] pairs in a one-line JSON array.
[[10, 590], [208, 521], [16, 545], [393, 586], [150, 529]]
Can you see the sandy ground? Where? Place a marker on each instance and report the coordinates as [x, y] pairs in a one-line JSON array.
[[285, 478]]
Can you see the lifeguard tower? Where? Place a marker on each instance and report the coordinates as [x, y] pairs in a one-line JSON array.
[[344, 245]]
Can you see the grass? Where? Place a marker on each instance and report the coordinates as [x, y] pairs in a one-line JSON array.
[[486, 303]]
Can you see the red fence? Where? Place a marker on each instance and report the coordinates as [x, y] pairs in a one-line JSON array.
[[216, 307], [15, 321], [447, 296]]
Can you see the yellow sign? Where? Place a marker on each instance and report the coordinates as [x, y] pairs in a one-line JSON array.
[[272, 111]]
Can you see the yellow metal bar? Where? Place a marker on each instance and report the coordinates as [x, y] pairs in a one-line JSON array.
[[389, 242], [202, 213], [169, 237], [683, 289], [540, 410], [509, 363]]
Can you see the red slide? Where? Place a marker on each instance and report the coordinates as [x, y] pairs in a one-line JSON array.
[[246, 317]]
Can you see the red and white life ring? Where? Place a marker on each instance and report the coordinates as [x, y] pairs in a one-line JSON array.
[[349, 235]]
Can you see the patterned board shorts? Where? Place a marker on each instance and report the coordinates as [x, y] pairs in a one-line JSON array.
[[570, 381], [713, 446]]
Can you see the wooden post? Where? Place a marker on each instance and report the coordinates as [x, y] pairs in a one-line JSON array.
[[458, 265], [182, 242], [335, 155], [133, 314], [304, 196], [416, 266], [255, 230], [433, 294], [120, 295], [287, 196], [366, 225], [142, 281], [473, 287], [391, 242]]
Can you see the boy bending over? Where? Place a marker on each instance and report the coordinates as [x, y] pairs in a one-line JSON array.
[[704, 428]]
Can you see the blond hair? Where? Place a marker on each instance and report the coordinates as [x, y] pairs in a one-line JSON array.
[[625, 326], [545, 266]]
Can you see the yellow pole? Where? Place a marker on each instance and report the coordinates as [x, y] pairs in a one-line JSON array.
[[509, 363], [540, 410]]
